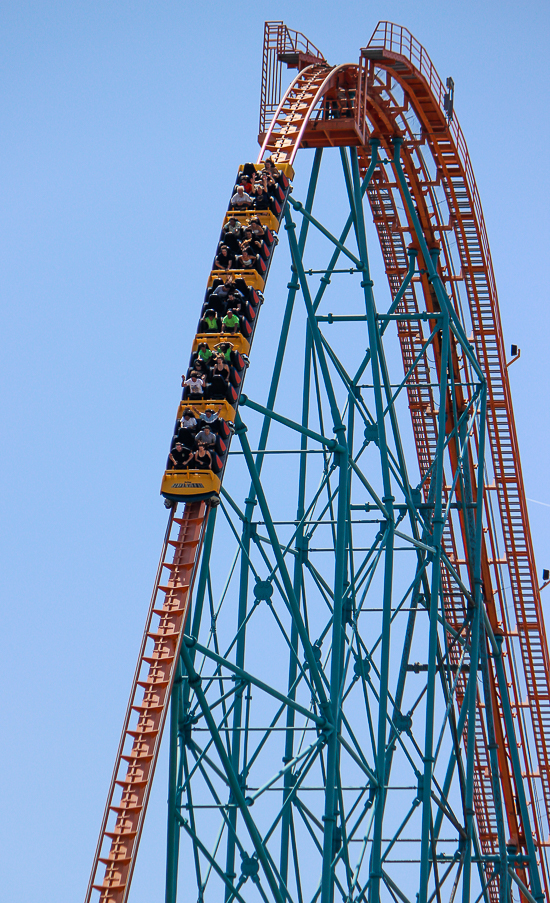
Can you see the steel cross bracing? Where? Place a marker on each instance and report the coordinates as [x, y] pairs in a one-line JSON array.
[[374, 741], [348, 712], [405, 97]]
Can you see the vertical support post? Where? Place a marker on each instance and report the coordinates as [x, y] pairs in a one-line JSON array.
[[172, 844], [470, 702], [437, 483], [178, 703], [203, 576], [471, 699], [336, 670], [337, 649], [235, 753], [293, 287], [433, 275], [493, 759], [317, 680], [195, 683], [374, 342], [298, 579], [534, 875], [437, 527]]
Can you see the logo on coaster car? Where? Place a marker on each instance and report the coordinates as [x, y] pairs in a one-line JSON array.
[[187, 486]]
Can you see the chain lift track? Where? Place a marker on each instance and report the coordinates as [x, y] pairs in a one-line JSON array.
[[393, 79], [150, 696]]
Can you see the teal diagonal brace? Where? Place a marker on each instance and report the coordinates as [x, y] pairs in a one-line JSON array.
[[325, 280], [338, 426], [293, 287], [516, 766], [287, 583], [191, 643], [375, 871], [331, 444], [435, 279], [299, 207], [209, 858], [195, 683], [413, 254]]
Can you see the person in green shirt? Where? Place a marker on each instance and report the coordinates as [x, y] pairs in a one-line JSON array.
[[231, 322], [204, 352], [210, 322], [225, 349]]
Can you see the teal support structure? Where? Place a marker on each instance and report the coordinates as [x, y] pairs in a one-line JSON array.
[[339, 666]]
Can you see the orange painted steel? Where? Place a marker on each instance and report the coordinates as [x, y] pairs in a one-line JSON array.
[[285, 133], [149, 701], [392, 56], [303, 117], [282, 47], [391, 233], [424, 422], [397, 52]]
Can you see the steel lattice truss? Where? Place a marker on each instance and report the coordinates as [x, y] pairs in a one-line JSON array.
[[357, 742]]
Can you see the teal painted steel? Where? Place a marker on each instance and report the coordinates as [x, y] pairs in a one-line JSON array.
[[172, 841], [323, 741]]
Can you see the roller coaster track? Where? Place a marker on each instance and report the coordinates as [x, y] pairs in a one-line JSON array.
[[399, 78], [394, 51], [150, 696]]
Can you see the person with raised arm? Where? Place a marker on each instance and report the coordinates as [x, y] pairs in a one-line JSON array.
[[210, 322], [195, 384]]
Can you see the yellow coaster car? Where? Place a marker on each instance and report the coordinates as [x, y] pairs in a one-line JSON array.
[[222, 408], [212, 339], [266, 218], [189, 485], [251, 277]]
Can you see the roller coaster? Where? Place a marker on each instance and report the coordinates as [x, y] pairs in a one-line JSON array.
[[353, 654]]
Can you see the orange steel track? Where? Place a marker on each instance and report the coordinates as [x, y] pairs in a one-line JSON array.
[[149, 701], [395, 78], [394, 56]]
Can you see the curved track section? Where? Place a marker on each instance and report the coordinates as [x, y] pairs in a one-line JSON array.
[[424, 203], [292, 115], [509, 556]]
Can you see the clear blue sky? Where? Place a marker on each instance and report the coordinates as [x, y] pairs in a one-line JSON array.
[[122, 125]]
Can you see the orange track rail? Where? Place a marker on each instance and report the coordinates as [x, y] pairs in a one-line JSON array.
[[394, 54], [397, 52], [293, 113], [424, 422], [149, 701]]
